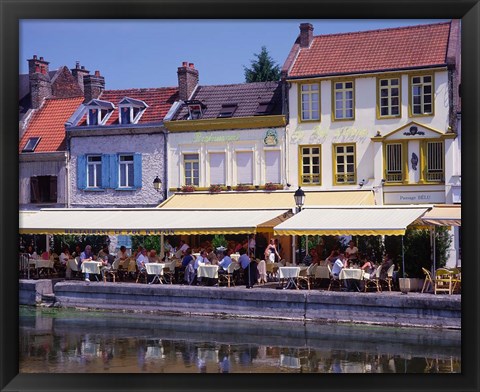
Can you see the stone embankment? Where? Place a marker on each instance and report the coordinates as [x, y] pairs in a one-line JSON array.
[[386, 308]]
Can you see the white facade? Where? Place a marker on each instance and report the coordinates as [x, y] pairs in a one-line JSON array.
[[228, 157]]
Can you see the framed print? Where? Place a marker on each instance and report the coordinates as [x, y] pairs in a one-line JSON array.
[[306, 129]]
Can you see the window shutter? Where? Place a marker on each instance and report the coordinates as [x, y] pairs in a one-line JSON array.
[[106, 171], [244, 167], [137, 171], [82, 171], [34, 190], [53, 189], [217, 168], [272, 167], [113, 171]]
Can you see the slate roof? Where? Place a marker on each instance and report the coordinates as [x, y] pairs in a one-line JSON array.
[[374, 50], [48, 123], [159, 101], [246, 95]]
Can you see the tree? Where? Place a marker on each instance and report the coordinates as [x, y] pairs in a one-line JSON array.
[[263, 69]]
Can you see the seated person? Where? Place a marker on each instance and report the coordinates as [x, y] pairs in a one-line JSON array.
[[212, 256], [386, 264], [338, 265], [187, 260], [367, 265], [351, 252], [153, 257], [224, 262]]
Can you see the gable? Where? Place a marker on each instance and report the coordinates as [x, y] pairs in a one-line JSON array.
[[413, 130], [65, 85]]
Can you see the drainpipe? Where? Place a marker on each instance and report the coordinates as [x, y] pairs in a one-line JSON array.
[[165, 164], [67, 171]]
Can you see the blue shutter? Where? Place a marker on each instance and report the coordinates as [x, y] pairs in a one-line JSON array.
[[137, 171], [81, 171], [114, 171], [106, 171]]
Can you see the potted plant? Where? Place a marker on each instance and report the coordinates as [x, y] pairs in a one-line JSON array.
[[242, 187], [188, 188], [219, 242], [215, 188], [270, 186]]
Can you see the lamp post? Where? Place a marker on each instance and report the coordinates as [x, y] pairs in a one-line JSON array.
[[299, 197]]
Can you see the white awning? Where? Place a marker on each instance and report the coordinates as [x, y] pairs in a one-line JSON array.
[[148, 221], [444, 215], [340, 220]]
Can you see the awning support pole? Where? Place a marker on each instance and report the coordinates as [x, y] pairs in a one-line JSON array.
[[294, 242], [162, 246], [403, 259], [434, 246]]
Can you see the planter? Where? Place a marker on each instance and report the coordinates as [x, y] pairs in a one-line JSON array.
[[410, 284]]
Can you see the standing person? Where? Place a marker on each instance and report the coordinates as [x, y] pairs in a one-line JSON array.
[[352, 252], [168, 249], [185, 262], [249, 268], [64, 257], [86, 255], [273, 249], [278, 246], [251, 245]]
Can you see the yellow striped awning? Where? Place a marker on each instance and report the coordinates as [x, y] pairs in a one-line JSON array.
[[146, 221], [444, 215], [338, 220]]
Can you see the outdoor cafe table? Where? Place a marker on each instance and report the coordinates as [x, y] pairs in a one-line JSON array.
[[235, 257], [291, 275], [155, 269], [91, 267], [207, 271], [353, 277]]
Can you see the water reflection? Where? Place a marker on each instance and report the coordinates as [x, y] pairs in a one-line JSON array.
[[60, 341]]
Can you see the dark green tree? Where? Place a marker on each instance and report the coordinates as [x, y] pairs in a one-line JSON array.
[[262, 69]]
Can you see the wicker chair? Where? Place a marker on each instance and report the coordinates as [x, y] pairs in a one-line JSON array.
[[309, 278], [373, 280], [227, 277], [443, 281], [428, 283], [334, 280], [388, 281]]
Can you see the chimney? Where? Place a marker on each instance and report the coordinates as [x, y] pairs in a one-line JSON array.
[[187, 80], [79, 72], [306, 35], [40, 84], [93, 86]]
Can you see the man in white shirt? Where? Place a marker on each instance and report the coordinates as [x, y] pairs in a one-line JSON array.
[[141, 260], [183, 246]]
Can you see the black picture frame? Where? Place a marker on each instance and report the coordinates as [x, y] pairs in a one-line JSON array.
[[12, 11]]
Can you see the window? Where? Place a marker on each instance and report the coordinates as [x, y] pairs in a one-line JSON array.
[[94, 171], [344, 164], [395, 162], [433, 165], [343, 100], [389, 97], [272, 166], [217, 168], [191, 165], [310, 165], [43, 189], [130, 110], [245, 167], [195, 111], [310, 102], [421, 100], [31, 144], [264, 108], [227, 110], [99, 111], [126, 173]]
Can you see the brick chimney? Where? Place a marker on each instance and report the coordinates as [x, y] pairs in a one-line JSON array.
[[40, 84], [306, 35], [187, 80], [79, 72], [93, 86]]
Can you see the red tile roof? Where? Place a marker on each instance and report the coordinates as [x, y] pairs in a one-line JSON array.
[[374, 50], [159, 101], [48, 123]]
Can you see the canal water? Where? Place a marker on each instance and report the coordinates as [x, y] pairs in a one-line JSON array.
[[62, 340]]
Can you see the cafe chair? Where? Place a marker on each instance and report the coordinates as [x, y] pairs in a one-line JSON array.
[[169, 272], [373, 280], [443, 281], [334, 280], [227, 277], [141, 275], [428, 283], [456, 280], [308, 278], [113, 272], [388, 281]]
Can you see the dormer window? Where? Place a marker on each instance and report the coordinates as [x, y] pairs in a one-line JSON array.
[[130, 110], [264, 108], [227, 110], [195, 109], [99, 111], [31, 144]]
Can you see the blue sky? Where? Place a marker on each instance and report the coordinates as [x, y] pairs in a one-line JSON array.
[[147, 53]]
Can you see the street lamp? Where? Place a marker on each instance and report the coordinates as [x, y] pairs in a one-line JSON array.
[[299, 197], [157, 184]]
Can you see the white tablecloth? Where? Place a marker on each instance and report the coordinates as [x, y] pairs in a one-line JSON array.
[[154, 268], [91, 267], [207, 271], [289, 272], [40, 263], [351, 273], [262, 271]]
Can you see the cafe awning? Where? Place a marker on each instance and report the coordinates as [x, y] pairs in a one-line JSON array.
[[146, 221], [444, 215], [357, 220], [263, 199]]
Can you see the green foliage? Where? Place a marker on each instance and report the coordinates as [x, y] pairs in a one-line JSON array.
[[149, 242], [371, 246], [219, 240], [418, 252], [263, 69]]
